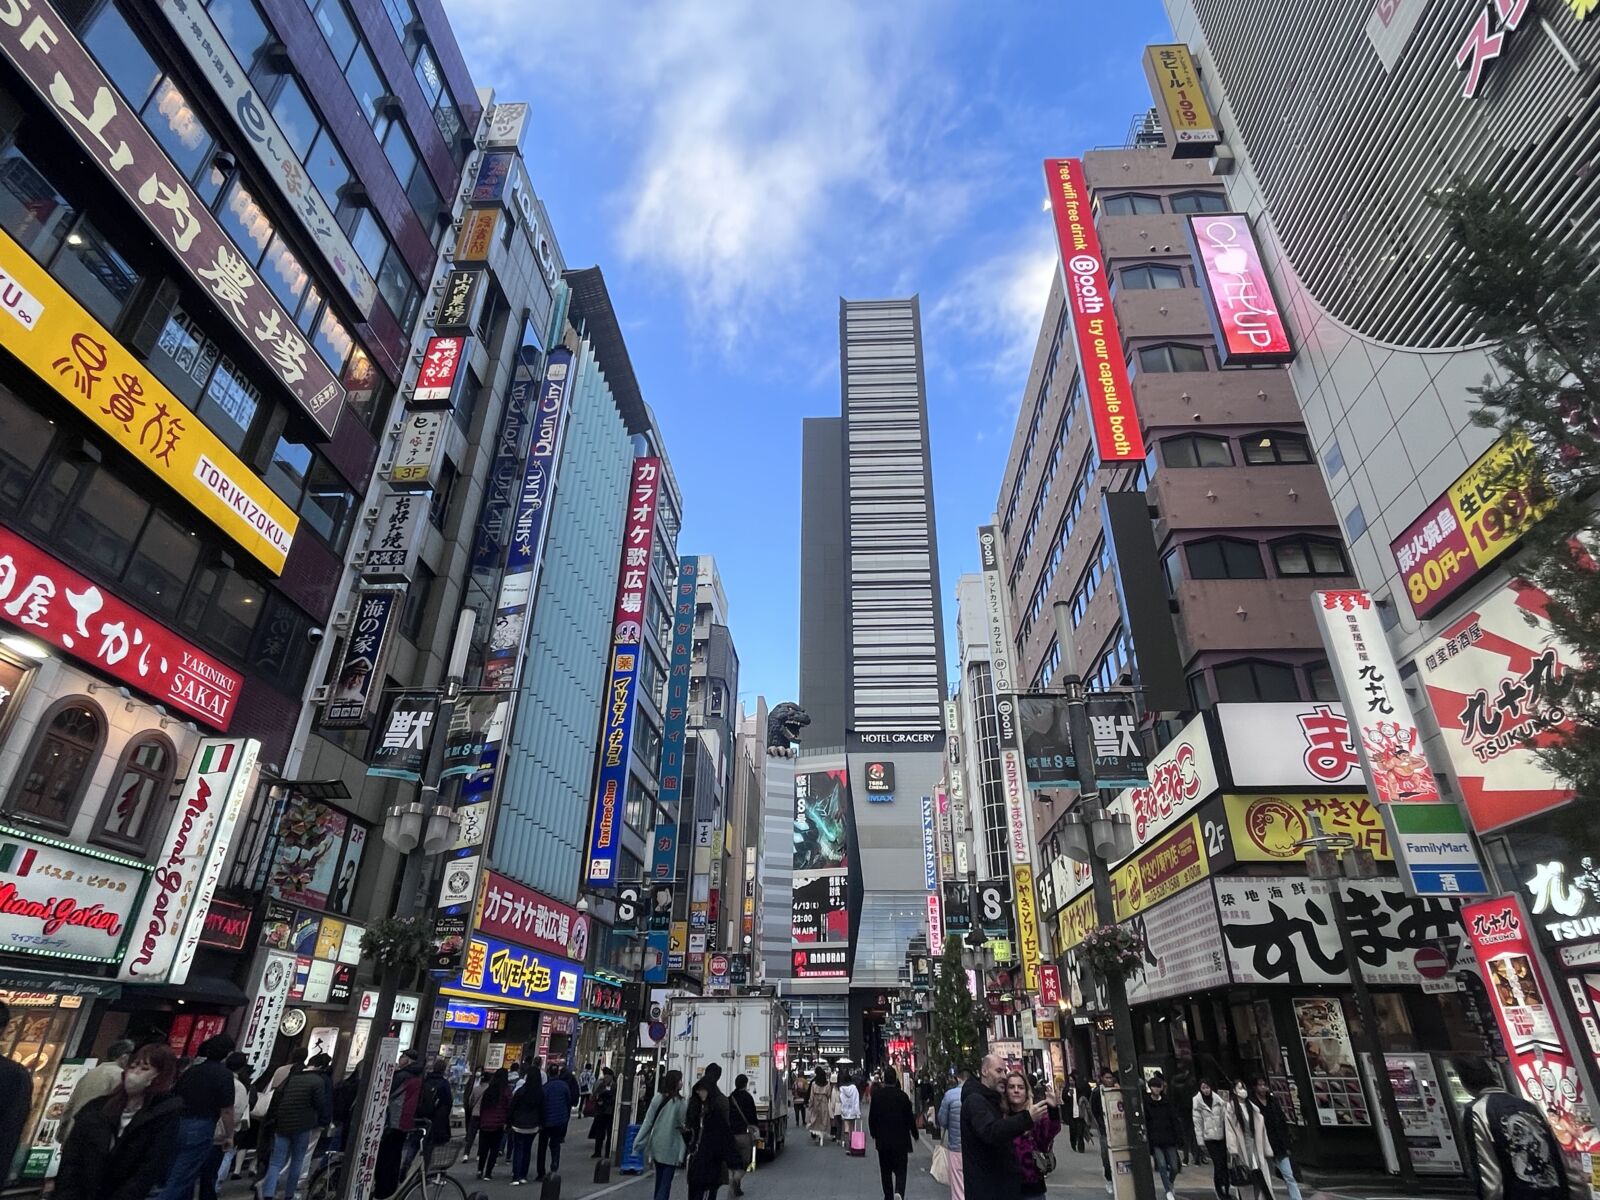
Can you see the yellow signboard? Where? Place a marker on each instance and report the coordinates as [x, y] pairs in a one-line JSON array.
[[679, 941], [1027, 923], [1185, 115], [1161, 869], [1267, 828], [477, 235], [1074, 922], [60, 342]]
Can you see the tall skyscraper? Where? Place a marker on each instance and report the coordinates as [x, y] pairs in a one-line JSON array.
[[872, 675]]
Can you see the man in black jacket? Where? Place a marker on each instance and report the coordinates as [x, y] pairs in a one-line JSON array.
[[1097, 1109], [743, 1121], [989, 1163], [1164, 1126], [893, 1126], [1277, 1132], [16, 1094], [434, 1105], [1512, 1153]]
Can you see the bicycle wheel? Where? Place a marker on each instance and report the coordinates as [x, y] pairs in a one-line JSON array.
[[440, 1187], [325, 1180]]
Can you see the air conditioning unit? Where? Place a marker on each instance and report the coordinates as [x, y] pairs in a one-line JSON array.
[[320, 693], [1222, 161]]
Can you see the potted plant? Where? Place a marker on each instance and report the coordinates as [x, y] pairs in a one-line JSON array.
[[397, 943], [1112, 952]]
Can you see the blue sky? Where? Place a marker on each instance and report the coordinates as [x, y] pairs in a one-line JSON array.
[[736, 168]]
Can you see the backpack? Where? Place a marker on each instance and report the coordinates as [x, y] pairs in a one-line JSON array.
[[435, 1103]]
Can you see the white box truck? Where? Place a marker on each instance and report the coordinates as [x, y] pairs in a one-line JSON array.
[[741, 1034]]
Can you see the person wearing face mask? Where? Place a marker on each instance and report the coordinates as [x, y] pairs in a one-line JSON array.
[[123, 1145], [1249, 1151], [1210, 1126]]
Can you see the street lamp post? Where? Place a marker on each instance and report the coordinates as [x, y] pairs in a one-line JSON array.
[[1102, 831], [418, 830], [1324, 861]]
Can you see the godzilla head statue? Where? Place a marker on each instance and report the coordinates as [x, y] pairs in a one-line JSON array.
[[784, 724]]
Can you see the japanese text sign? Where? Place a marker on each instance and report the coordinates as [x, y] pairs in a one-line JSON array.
[[1182, 943], [54, 604], [505, 974], [1495, 678], [1181, 775], [1027, 923], [930, 859], [44, 50], [62, 902], [814, 962], [1486, 39], [416, 451], [1101, 360], [1246, 319], [675, 720], [402, 746], [61, 343], [275, 156], [1074, 922], [1524, 1006], [1384, 731], [633, 582], [514, 913], [396, 537], [1269, 828], [1290, 745], [359, 681], [1480, 516], [441, 370], [1049, 986], [172, 917], [458, 301], [1162, 869], [494, 170], [476, 238], [506, 122], [1175, 85]]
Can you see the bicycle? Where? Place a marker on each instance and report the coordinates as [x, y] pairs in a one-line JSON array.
[[422, 1180]]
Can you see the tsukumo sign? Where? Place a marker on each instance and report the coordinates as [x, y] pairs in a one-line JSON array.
[[172, 918], [53, 603], [1101, 359]]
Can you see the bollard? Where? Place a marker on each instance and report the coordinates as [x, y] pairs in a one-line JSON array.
[[602, 1171], [550, 1189]]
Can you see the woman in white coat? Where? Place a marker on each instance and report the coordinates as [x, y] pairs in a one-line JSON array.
[[849, 1108], [1211, 1127], [1245, 1132]]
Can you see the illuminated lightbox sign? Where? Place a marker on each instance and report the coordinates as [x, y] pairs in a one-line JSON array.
[[1245, 318]]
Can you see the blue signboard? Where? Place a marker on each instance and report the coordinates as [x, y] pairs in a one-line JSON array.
[[657, 945], [500, 973], [675, 715], [665, 853], [466, 1016]]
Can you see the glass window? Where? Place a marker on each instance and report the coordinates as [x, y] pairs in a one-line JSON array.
[[439, 505], [241, 27], [144, 780], [1252, 681], [283, 274], [1172, 571], [1274, 447], [401, 14], [401, 153], [1224, 558], [329, 506], [448, 118], [1130, 204], [1199, 202], [295, 117], [162, 563], [25, 437], [429, 78], [229, 404], [327, 168], [122, 56], [246, 222], [365, 82], [1333, 457], [1319, 678], [1173, 357], [427, 202], [64, 758], [310, 309], [1309, 556], [1149, 276], [235, 607], [1196, 450], [286, 474], [337, 29], [97, 275], [332, 340], [174, 123], [467, 402], [362, 384], [184, 357], [50, 499], [105, 522], [396, 287], [1355, 522], [31, 210], [417, 597], [368, 239]]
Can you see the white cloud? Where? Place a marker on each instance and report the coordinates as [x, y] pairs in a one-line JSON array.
[[764, 144], [998, 303]]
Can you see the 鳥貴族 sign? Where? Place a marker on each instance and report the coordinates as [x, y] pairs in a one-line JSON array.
[[59, 341], [61, 70], [476, 238], [1383, 730], [1494, 681], [1102, 361], [62, 901], [54, 604]]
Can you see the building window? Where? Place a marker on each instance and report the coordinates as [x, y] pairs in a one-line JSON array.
[[144, 780], [1355, 522], [65, 751], [1199, 691], [1224, 558], [417, 597], [1250, 681], [1270, 446], [1333, 458], [241, 27], [1130, 204], [1172, 572], [95, 273], [1171, 357], [1196, 450], [1309, 556], [1199, 202], [1319, 683], [1150, 277], [439, 506]]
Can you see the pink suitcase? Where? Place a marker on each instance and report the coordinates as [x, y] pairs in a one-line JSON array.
[[858, 1143]]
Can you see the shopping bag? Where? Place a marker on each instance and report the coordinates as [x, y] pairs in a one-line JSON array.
[[940, 1170]]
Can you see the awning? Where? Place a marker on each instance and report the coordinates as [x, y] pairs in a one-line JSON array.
[[198, 989]]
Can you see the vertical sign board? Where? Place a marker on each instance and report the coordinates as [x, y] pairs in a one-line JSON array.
[[1382, 728], [1186, 119], [1435, 850], [935, 925], [396, 538], [930, 859], [440, 375], [627, 636], [172, 915], [268, 997], [675, 716], [1181, 775], [416, 450], [1101, 359], [1525, 1008], [1027, 924], [358, 683], [1012, 774], [526, 551], [372, 1121], [1245, 318]]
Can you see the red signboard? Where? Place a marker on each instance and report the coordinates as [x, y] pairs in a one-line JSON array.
[[227, 926], [1248, 325], [821, 962], [441, 363], [511, 912], [1101, 359], [1525, 1007], [1049, 986], [637, 542], [51, 602]]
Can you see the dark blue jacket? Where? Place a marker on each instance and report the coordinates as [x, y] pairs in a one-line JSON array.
[[559, 1097]]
